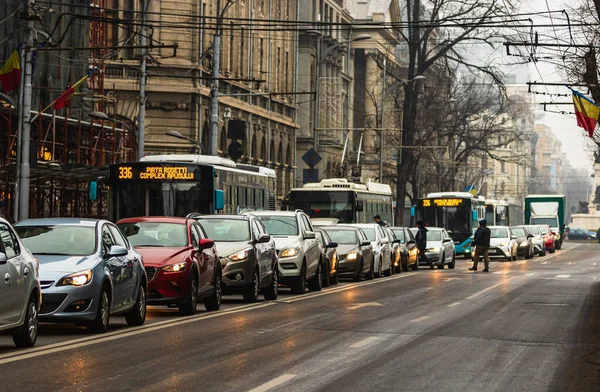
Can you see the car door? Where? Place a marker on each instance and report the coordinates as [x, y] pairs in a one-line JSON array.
[[116, 266], [312, 247], [448, 246], [262, 251], [201, 256], [129, 266], [367, 251], [385, 247], [14, 275]]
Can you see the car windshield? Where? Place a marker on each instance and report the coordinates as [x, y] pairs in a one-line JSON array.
[[519, 232], [499, 233], [158, 234], [544, 230], [280, 225], [533, 230], [343, 236], [399, 235], [59, 240], [226, 230], [434, 235], [370, 232]]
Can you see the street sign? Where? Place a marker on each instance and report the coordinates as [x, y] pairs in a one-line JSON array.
[[310, 175], [235, 150], [311, 158]]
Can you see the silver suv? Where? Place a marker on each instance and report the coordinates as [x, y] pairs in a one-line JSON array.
[[20, 290], [300, 263]]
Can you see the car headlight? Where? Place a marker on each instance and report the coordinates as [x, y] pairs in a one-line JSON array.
[[352, 256], [239, 256], [524, 243], [433, 250], [77, 279], [291, 252], [179, 267]]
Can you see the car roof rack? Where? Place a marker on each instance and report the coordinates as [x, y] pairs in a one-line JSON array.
[[193, 215]]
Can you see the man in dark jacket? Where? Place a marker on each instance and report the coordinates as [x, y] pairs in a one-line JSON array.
[[421, 239], [481, 242], [378, 220]]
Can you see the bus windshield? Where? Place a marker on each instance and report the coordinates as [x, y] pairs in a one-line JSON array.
[[456, 219], [324, 204]]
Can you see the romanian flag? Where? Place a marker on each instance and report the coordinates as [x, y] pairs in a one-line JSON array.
[[586, 111], [10, 73], [65, 97]]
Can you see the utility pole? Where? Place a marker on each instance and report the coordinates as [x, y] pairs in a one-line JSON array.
[[214, 104], [25, 116], [381, 132], [142, 97]]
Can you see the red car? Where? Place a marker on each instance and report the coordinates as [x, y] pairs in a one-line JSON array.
[[548, 236], [181, 263]]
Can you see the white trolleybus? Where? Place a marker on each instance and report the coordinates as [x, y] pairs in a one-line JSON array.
[[346, 201]]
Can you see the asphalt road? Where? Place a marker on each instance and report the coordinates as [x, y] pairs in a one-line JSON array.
[[531, 325]]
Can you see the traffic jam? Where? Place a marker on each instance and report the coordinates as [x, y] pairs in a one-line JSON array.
[[84, 271]]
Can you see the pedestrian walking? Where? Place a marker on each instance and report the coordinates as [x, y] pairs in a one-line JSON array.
[[481, 241], [421, 239], [378, 220]]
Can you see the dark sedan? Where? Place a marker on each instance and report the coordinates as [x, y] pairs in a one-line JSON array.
[[524, 240], [249, 256], [329, 253], [354, 252]]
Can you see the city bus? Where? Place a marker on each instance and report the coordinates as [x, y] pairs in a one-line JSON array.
[[348, 202], [177, 185], [497, 212], [457, 212]]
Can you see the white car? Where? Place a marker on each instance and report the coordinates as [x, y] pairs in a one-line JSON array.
[[20, 290], [538, 240], [440, 247], [383, 250], [502, 243]]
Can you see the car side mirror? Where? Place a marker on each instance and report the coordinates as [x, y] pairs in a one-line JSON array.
[[205, 243], [117, 251], [263, 238], [385, 241], [513, 237], [447, 239], [309, 235], [411, 242], [529, 235], [3, 258], [332, 245], [365, 243]]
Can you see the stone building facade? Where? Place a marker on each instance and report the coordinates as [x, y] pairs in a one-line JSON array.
[[258, 67]]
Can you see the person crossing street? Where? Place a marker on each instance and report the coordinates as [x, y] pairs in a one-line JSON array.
[[421, 239], [481, 242]]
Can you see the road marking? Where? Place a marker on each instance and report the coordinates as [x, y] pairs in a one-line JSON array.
[[358, 306], [364, 342], [530, 274], [595, 277], [453, 304], [274, 383], [449, 279], [428, 289], [500, 272], [521, 262], [595, 264], [419, 319], [563, 276], [545, 262], [570, 263], [83, 342], [479, 293]]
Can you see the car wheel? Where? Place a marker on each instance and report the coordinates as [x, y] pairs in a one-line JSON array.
[[553, 249], [543, 251], [453, 262], [403, 265], [442, 262], [415, 266], [371, 274], [188, 307], [316, 283], [389, 271], [137, 316], [378, 274], [100, 323], [26, 335], [213, 302], [359, 275], [528, 253], [251, 292], [299, 284], [271, 292], [326, 276], [334, 279]]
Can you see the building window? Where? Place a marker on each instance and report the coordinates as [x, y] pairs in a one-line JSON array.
[[263, 148], [242, 52], [287, 72], [261, 56], [278, 70], [253, 146], [503, 167]]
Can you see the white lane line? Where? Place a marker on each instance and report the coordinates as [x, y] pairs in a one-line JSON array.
[[530, 274], [274, 383], [453, 304], [419, 319], [563, 276], [570, 263], [500, 272], [364, 342], [479, 293], [595, 264], [545, 262], [595, 277], [69, 345]]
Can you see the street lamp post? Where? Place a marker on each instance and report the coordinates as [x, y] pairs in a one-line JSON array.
[[178, 135]]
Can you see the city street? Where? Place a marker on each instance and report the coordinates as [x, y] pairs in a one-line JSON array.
[[530, 325]]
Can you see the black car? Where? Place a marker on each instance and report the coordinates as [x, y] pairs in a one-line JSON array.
[[525, 246], [578, 233], [247, 253], [329, 254], [354, 251]]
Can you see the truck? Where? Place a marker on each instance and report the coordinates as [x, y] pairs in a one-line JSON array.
[[547, 210]]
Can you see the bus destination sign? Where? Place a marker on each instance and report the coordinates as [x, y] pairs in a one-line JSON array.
[[442, 202], [154, 173]]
